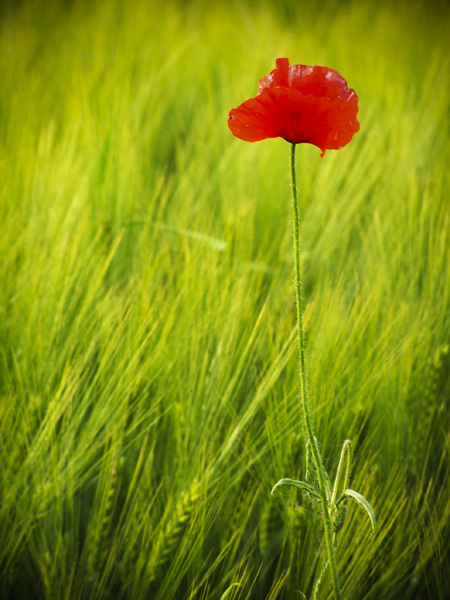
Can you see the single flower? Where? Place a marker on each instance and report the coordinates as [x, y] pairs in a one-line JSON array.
[[310, 105]]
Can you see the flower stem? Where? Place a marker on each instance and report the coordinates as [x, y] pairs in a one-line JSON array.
[[311, 440]]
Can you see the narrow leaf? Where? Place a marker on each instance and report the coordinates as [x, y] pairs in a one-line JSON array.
[[362, 502], [230, 590], [301, 485], [202, 238]]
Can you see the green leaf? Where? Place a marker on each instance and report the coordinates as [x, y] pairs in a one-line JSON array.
[[230, 590], [301, 485], [362, 502], [202, 238]]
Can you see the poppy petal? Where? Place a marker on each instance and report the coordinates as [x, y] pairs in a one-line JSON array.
[[254, 120], [279, 77], [297, 118]]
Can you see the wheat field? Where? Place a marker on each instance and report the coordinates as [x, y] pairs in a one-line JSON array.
[[148, 369]]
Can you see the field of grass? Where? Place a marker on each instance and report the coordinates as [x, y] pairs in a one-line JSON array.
[[148, 376]]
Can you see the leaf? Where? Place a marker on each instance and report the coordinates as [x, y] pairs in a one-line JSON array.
[[362, 502], [202, 238], [227, 593], [301, 485]]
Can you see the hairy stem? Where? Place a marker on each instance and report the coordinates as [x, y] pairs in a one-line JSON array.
[[311, 440]]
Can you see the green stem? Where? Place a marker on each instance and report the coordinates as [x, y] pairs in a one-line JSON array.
[[314, 448], [319, 581]]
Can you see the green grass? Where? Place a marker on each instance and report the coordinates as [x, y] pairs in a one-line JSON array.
[[148, 381]]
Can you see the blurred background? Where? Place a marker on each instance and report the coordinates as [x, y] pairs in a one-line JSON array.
[[148, 381]]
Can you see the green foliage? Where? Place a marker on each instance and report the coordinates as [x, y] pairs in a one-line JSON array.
[[363, 503], [148, 381]]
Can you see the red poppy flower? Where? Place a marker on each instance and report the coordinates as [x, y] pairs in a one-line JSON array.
[[301, 104]]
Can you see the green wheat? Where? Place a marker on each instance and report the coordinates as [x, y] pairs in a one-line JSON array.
[[147, 327]]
